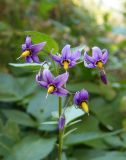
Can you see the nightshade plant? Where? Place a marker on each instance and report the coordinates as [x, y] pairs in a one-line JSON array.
[[30, 51], [56, 84], [98, 59], [67, 59]]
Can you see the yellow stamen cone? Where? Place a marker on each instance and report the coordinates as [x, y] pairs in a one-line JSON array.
[[84, 106], [100, 65], [66, 65], [24, 54], [50, 89]]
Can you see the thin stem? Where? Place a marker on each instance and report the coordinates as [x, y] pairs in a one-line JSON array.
[[60, 131]]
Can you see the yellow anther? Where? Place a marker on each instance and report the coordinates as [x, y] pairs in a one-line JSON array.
[[66, 65], [84, 106], [51, 89], [100, 65], [24, 54]]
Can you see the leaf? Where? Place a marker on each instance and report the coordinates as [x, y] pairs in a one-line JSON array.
[[50, 122], [80, 48], [11, 130], [32, 66], [87, 136], [9, 89], [19, 117], [115, 155], [71, 113], [16, 89], [32, 147], [38, 37]]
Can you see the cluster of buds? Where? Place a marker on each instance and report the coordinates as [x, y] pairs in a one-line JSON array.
[[67, 59]]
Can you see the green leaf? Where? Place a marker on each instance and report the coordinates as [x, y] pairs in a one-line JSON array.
[[9, 88], [19, 117], [71, 113], [32, 148], [31, 66], [38, 37], [16, 89], [11, 130], [87, 136], [80, 48]]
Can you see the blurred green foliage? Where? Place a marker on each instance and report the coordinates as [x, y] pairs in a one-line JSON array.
[[23, 106]]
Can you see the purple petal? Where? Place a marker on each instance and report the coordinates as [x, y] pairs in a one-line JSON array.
[[66, 53], [88, 58], [87, 63], [61, 92], [35, 58], [96, 53], [61, 79], [47, 76], [43, 84], [37, 47], [75, 55], [72, 63], [28, 41], [56, 58], [23, 47], [104, 56], [61, 123], [83, 95], [28, 59], [39, 76], [77, 98], [103, 77]]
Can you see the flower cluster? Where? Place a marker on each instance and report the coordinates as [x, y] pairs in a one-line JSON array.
[[67, 59]]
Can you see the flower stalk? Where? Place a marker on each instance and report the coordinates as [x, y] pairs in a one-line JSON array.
[[60, 131]]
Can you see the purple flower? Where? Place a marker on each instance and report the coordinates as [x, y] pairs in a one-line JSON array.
[[98, 59], [67, 59], [53, 84], [61, 123], [30, 50], [81, 99], [103, 76]]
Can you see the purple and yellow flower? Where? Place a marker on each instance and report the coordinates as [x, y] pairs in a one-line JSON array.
[[30, 51], [61, 122], [53, 84], [81, 100], [98, 59], [67, 59]]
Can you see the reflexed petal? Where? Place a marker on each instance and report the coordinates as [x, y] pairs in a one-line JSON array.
[[88, 58], [43, 84], [61, 92], [39, 76], [47, 76], [28, 59], [37, 47], [96, 53], [103, 77], [23, 47], [104, 56], [61, 79], [56, 58], [35, 58], [75, 55], [28, 41], [77, 98], [66, 53], [83, 95], [89, 65], [72, 63]]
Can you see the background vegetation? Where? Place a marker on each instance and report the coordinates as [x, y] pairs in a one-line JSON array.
[[23, 106]]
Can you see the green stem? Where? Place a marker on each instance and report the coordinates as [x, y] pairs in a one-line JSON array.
[[60, 131]]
